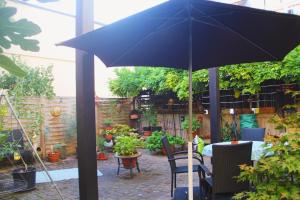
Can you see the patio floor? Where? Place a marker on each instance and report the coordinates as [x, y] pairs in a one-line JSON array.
[[152, 183]]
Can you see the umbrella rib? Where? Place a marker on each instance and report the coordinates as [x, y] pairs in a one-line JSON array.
[[238, 34], [209, 24], [158, 29]]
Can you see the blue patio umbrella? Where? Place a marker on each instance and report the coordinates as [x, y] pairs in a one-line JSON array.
[[193, 35]]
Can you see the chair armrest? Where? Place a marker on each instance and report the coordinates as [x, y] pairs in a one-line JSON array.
[[184, 157], [206, 170], [180, 152]]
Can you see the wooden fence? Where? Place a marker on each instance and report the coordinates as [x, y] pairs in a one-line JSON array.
[[62, 129]]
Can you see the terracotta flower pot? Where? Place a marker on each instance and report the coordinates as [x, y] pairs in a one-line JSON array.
[[147, 133], [102, 156], [134, 116], [53, 157], [129, 163], [108, 137], [108, 127]]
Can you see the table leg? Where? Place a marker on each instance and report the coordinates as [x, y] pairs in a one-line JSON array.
[[131, 163], [118, 166], [137, 166]]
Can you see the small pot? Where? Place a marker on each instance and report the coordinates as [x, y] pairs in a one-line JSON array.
[[147, 133], [129, 163], [234, 142], [134, 116], [28, 176], [108, 127], [108, 137], [53, 157], [101, 156]]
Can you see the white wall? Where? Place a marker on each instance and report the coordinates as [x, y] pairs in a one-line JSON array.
[[57, 28]]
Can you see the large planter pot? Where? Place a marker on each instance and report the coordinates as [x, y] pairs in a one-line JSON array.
[[129, 163], [53, 157], [28, 176]]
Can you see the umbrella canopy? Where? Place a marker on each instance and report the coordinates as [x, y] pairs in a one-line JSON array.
[[221, 34], [193, 34]]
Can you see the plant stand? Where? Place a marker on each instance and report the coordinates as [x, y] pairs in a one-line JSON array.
[[133, 157]]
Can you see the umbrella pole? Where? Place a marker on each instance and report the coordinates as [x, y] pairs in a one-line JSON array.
[[190, 138]]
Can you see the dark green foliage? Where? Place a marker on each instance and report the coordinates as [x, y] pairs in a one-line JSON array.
[[150, 116], [153, 142], [245, 77], [100, 143], [195, 124], [37, 82], [15, 33], [127, 145], [276, 176]]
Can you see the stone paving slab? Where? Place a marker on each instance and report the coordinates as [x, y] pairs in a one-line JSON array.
[[153, 183]]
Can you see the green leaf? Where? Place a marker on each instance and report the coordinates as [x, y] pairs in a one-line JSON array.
[[17, 32], [7, 64]]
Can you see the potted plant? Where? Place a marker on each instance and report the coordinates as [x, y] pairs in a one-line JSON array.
[[107, 124], [150, 118], [61, 150], [134, 114], [108, 134], [100, 145], [53, 156], [24, 174], [126, 148], [195, 125], [153, 142], [178, 142]]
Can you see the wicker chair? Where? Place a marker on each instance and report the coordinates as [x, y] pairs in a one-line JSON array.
[[181, 169], [253, 134], [220, 183]]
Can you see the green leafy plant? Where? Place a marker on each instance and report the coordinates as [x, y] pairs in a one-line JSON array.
[[36, 83], [127, 145], [195, 124], [3, 113], [150, 116], [15, 33], [120, 130], [179, 140], [8, 148], [227, 132], [107, 122], [247, 78], [291, 119], [100, 143], [153, 142], [277, 174], [71, 127]]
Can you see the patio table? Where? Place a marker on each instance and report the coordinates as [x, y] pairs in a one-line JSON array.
[[258, 149]]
